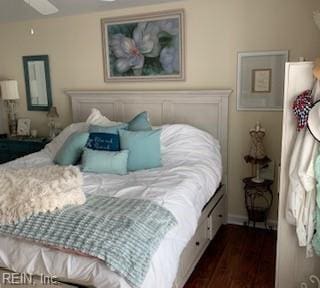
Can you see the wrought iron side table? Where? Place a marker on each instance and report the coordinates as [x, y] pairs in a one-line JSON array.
[[258, 199]]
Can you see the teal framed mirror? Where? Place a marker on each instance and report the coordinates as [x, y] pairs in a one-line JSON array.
[[37, 81]]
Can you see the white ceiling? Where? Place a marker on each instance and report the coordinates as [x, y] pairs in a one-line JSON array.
[[18, 10]]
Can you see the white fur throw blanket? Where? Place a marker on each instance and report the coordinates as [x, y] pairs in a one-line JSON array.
[[24, 192]]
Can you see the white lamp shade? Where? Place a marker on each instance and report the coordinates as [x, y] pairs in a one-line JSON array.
[[9, 90]]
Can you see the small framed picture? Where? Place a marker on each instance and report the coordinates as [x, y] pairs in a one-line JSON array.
[[261, 80], [24, 127]]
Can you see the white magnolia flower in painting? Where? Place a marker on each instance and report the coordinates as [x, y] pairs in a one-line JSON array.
[[127, 53], [146, 38], [130, 53], [170, 26], [169, 57]]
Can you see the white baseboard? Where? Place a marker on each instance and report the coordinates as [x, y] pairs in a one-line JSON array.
[[242, 220]]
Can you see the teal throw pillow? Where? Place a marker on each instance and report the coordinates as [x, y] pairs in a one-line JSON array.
[[144, 148], [140, 123], [110, 130], [105, 161], [71, 150]]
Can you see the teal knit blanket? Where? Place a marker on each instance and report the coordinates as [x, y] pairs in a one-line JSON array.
[[316, 237], [124, 233]]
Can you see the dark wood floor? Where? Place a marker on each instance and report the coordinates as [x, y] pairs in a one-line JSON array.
[[238, 257]]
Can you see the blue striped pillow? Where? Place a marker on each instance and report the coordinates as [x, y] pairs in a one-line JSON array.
[[105, 161]]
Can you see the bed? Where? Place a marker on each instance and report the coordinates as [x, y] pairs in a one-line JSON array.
[[199, 217]]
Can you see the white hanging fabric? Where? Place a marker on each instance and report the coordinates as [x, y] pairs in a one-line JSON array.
[[300, 210]]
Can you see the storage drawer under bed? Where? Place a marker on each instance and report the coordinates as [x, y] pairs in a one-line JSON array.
[[210, 221], [216, 218], [194, 249]]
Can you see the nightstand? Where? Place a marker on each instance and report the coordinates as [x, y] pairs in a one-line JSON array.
[[258, 198], [12, 148]]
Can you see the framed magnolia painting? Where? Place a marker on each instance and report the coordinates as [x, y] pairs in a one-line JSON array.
[[144, 47], [260, 83]]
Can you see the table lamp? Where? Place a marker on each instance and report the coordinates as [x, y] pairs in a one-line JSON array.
[[10, 93], [52, 114]]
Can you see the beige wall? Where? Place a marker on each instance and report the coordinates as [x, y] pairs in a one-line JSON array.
[[215, 31]]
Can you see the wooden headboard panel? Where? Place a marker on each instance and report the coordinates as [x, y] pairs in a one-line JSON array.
[[204, 109]]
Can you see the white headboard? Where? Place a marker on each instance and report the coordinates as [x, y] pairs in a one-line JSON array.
[[204, 109]]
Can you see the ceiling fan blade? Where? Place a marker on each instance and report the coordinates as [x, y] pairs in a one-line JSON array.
[[44, 7]]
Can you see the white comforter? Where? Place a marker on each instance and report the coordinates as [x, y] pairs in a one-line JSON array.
[[190, 175]]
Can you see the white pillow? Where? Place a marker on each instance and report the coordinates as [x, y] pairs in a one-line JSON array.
[[96, 118], [54, 146]]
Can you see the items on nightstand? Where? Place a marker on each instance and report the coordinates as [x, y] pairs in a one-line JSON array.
[[10, 93], [34, 133], [52, 115], [257, 155], [23, 127]]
